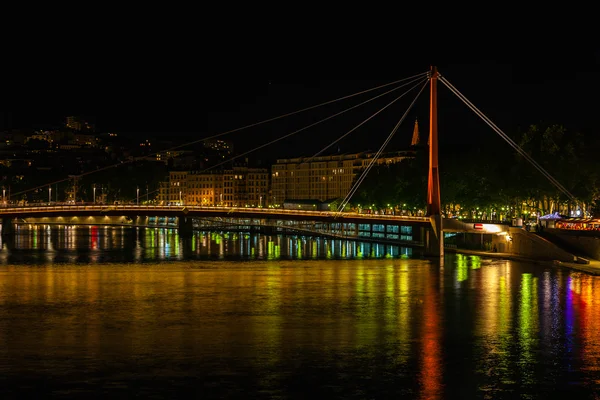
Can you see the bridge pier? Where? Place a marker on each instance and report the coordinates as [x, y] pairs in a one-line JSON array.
[[7, 226], [185, 226], [434, 238], [142, 221]]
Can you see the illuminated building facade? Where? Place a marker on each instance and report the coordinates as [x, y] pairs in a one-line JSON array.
[[322, 178], [236, 187]]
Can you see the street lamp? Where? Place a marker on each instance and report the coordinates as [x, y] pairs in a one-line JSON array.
[[94, 194], [138, 196], [260, 203], [4, 195], [49, 194], [180, 201]]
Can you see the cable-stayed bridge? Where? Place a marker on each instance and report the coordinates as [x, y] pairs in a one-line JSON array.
[[338, 222], [398, 229]]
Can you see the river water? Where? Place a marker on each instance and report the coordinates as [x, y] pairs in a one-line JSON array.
[[93, 312]]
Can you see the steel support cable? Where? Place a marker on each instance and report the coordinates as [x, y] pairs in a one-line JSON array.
[[511, 142], [347, 133], [306, 127], [362, 123], [301, 110], [364, 174], [228, 132], [341, 137], [327, 118], [366, 171]]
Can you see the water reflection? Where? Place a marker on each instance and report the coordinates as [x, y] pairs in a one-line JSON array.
[[97, 244], [432, 352], [274, 320], [585, 298], [528, 326], [353, 328]]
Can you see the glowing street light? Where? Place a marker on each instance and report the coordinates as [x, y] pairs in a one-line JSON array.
[[138, 196], [49, 194], [94, 194]]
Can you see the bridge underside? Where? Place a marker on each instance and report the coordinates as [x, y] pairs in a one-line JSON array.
[[458, 234], [385, 231], [407, 233]]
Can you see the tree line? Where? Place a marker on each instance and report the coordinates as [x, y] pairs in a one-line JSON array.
[[496, 182]]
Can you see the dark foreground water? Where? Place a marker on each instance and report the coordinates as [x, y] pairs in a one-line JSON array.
[[111, 313]]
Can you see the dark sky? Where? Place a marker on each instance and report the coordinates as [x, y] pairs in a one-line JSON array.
[[200, 93]]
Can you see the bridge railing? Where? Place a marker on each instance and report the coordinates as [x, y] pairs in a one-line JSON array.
[[485, 221], [183, 208]]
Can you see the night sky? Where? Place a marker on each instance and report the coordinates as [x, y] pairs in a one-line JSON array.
[[194, 97]]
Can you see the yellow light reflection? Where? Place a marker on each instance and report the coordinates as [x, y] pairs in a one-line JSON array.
[[404, 312]]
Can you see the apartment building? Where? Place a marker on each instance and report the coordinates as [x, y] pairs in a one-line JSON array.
[[236, 187], [322, 178]]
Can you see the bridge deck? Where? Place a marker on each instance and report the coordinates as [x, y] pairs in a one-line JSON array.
[[40, 211], [197, 211]]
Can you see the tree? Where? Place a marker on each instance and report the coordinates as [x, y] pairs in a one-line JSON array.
[[562, 155]]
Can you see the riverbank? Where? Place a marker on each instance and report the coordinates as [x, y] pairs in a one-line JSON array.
[[592, 268]]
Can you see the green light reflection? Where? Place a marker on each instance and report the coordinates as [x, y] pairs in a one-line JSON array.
[[528, 326], [299, 249], [462, 269], [475, 262]]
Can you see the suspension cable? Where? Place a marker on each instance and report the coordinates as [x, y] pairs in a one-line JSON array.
[[362, 123], [347, 133], [511, 142], [225, 133], [419, 81], [362, 177], [366, 171], [301, 110], [307, 126]]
